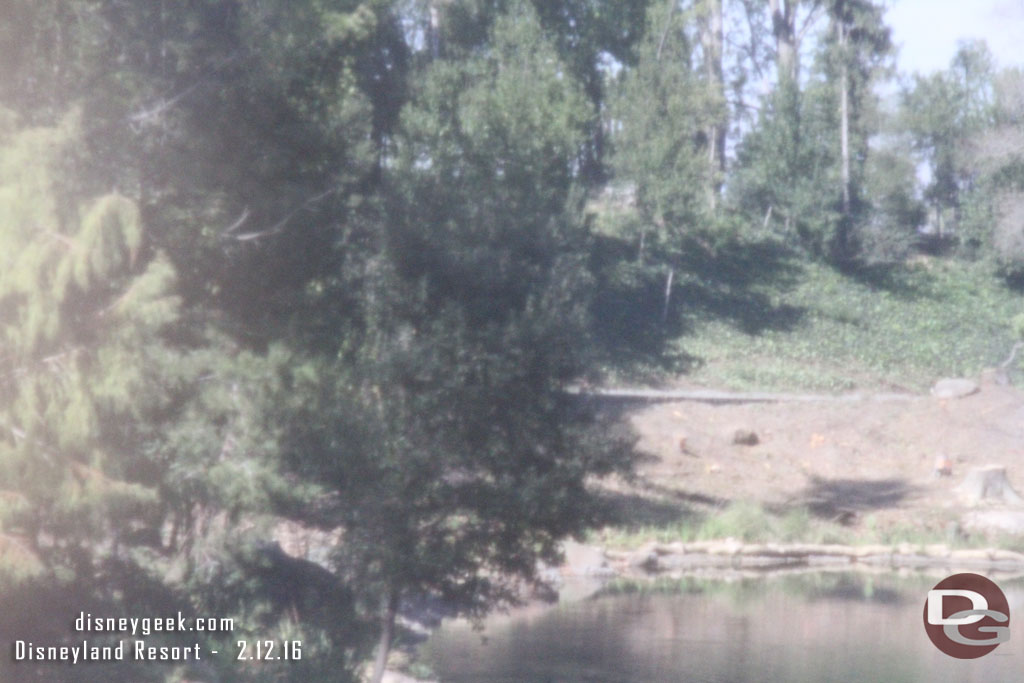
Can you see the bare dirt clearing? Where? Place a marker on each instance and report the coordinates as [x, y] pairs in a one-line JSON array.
[[865, 464]]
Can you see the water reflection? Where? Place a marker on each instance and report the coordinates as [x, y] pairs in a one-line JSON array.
[[822, 627]]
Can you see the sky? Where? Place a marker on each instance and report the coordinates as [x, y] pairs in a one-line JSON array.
[[927, 31]]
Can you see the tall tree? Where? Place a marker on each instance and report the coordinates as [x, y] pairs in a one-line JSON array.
[[662, 113], [943, 111], [82, 311], [712, 41], [789, 29], [434, 431], [860, 45]]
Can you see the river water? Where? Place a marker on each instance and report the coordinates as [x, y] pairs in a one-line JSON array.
[[819, 627]]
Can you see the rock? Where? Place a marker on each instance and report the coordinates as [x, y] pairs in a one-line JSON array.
[[544, 592], [745, 437], [582, 560], [846, 517], [988, 483], [1006, 521], [646, 558], [685, 447], [954, 388]]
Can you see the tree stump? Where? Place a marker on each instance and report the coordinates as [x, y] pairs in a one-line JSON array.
[[988, 483], [745, 437]]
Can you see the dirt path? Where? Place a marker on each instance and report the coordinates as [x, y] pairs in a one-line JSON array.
[[859, 462]]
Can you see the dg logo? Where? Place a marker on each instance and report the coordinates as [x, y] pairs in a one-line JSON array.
[[967, 616]]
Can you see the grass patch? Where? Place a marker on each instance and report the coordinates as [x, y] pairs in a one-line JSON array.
[[753, 523], [744, 521], [948, 319], [817, 328]]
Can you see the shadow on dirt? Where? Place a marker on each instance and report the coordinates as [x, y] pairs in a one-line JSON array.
[[631, 511], [831, 498]]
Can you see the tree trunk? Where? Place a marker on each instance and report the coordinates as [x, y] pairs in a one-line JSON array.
[[668, 25], [434, 30], [668, 295], [712, 38], [389, 610], [844, 114], [844, 140], [784, 30]]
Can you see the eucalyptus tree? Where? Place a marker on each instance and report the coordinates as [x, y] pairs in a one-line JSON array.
[[859, 46]]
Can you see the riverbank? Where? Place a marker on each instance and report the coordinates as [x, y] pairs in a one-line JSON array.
[[730, 557], [591, 570]]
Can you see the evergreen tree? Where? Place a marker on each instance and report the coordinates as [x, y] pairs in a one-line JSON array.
[[661, 115], [84, 306], [436, 435]]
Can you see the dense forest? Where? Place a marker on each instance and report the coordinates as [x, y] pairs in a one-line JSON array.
[[329, 266]]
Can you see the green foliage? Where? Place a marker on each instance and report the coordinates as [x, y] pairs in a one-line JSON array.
[[743, 521], [889, 232], [942, 112], [789, 168], [877, 326], [82, 321], [432, 431], [664, 111], [660, 111], [992, 206], [486, 326], [786, 172]]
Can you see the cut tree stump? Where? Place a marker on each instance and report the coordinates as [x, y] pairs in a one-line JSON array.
[[988, 483]]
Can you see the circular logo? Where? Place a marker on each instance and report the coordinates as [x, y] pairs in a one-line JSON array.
[[967, 616]]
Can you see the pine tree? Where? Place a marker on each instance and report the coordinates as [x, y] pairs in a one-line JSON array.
[[435, 435], [84, 307]]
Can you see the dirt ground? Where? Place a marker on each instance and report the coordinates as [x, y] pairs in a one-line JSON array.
[[862, 463]]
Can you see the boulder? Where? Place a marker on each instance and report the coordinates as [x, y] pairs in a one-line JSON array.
[[582, 560], [954, 388], [645, 558]]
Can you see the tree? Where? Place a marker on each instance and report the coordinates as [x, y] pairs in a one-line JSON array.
[[860, 44], [941, 112], [434, 433], [785, 167], [783, 163], [990, 171], [793, 166], [83, 309], [662, 114], [712, 39], [89, 383], [789, 30]]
